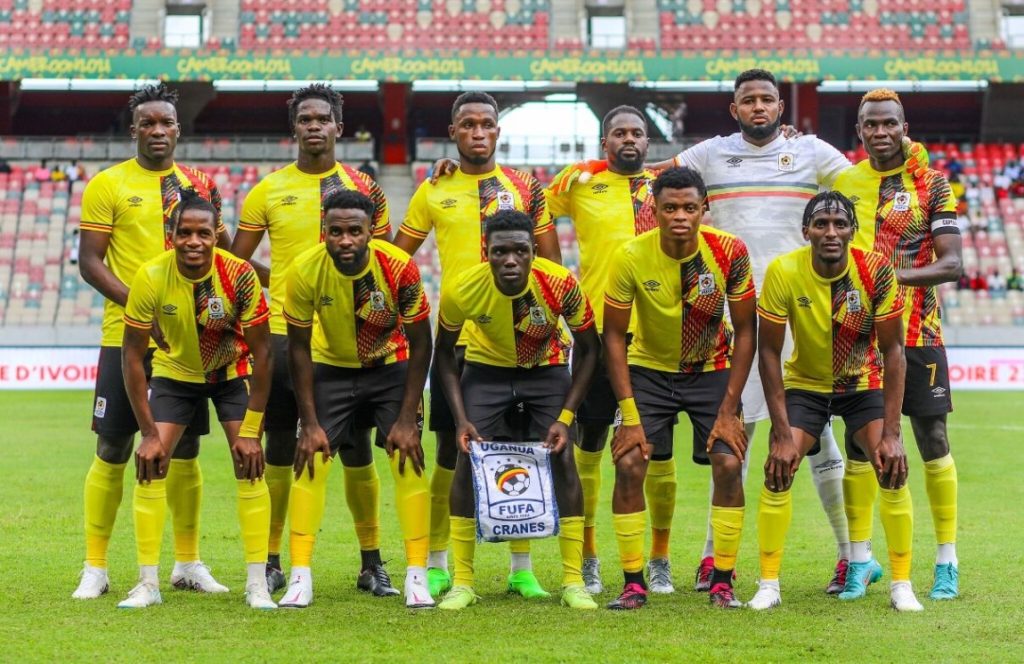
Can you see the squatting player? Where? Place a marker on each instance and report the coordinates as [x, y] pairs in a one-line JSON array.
[[455, 208], [677, 279], [844, 309], [368, 352], [913, 223], [211, 310], [127, 211], [517, 352], [608, 211], [288, 205]]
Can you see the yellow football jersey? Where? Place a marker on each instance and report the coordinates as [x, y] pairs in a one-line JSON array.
[[679, 305], [521, 330], [358, 318], [136, 207], [288, 204], [607, 212], [202, 320], [832, 321], [898, 218]]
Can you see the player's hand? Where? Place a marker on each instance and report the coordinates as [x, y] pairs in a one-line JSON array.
[[443, 167], [626, 438], [312, 439], [405, 437], [158, 336], [789, 131], [248, 456], [729, 429], [466, 433], [783, 460], [557, 438], [917, 158], [890, 462], [151, 459], [581, 171]]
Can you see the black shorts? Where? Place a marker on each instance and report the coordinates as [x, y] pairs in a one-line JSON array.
[[661, 395], [282, 412], [347, 398], [441, 417], [488, 392], [810, 411], [926, 392], [177, 401], [112, 413], [599, 403]]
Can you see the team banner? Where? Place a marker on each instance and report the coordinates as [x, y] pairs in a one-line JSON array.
[[592, 66], [515, 496]]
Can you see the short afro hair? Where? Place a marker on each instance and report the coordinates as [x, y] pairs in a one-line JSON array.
[[473, 97], [679, 177], [315, 91], [190, 200], [755, 75], [881, 94], [830, 201], [348, 199], [620, 110], [150, 93], [507, 220]]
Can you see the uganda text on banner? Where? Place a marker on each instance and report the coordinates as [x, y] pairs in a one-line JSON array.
[[515, 497]]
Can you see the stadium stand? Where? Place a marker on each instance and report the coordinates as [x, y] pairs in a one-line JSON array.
[[65, 23]]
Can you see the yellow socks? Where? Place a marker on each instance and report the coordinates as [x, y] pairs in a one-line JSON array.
[[570, 544], [362, 493], [104, 485], [727, 526], [897, 514], [940, 481], [588, 465], [463, 549], [773, 518], [254, 518], [150, 507], [279, 483], [660, 492], [184, 496], [519, 546], [440, 514], [860, 486], [629, 531], [412, 500], [306, 507]]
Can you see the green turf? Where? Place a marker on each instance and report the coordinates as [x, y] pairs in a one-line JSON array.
[[46, 450]]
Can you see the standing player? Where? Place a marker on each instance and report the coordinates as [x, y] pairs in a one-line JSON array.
[[288, 204], [127, 211], [368, 352], [608, 211], [517, 352], [679, 277], [844, 310], [913, 223], [211, 310], [455, 208]]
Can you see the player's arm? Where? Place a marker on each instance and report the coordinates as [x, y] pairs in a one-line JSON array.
[[312, 437], [631, 433], [244, 246], [783, 454], [246, 449], [151, 459], [947, 266], [728, 424], [586, 348], [448, 368], [92, 253], [407, 243], [224, 240], [405, 434], [890, 457]]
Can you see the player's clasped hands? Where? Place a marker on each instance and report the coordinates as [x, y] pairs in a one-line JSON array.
[[312, 439], [890, 462], [783, 460], [151, 459], [404, 438], [626, 438], [729, 429], [247, 454]]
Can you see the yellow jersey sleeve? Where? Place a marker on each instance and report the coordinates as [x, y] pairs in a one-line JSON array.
[[887, 299], [254, 209], [450, 314], [537, 207], [139, 311], [576, 309], [299, 302], [412, 298], [773, 305], [98, 204], [621, 281], [740, 281], [252, 305], [418, 221], [559, 205], [381, 212]]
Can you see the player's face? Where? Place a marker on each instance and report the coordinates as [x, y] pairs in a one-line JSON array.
[[155, 130], [757, 108], [315, 128], [679, 213], [881, 127], [347, 238], [194, 238], [625, 144], [829, 233], [475, 132], [510, 254]]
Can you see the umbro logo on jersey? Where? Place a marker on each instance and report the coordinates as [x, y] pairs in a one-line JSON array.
[[599, 188], [135, 201], [484, 319], [448, 203], [734, 162], [804, 301], [170, 309], [326, 300], [289, 200], [651, 285], [938, 391]]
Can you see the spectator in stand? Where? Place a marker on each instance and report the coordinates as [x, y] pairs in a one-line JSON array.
[[978, 282], [1015, 282], [4, 166], [73, 172], [954, 166], [57, 174], [363, 135], [1001, 183], [964, 282], [42, 172], [997, 284], [1012, 170]]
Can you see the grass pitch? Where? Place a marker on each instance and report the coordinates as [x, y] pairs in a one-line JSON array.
[[46, 447]]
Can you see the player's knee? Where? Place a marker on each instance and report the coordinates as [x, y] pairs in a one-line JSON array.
[[726, 469], [630, 471], [187, 448], [593, 437], [932, 439], [280, 448], [114, 449], [447, 450]]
